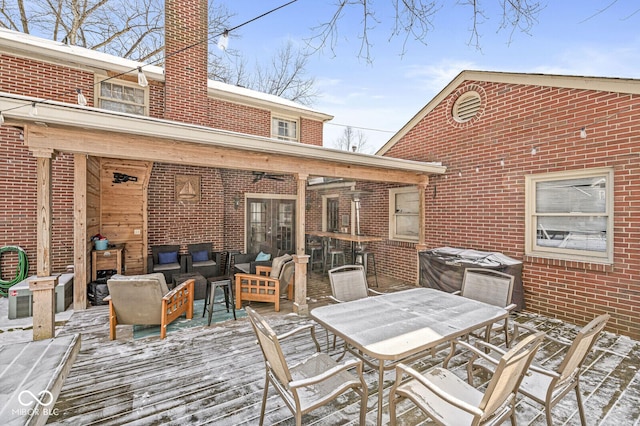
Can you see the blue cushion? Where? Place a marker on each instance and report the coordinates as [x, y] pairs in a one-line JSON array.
[[262, 256], [167, 257], [200, 256]]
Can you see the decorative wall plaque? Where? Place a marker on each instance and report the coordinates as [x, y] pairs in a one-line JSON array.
[[187, 188]]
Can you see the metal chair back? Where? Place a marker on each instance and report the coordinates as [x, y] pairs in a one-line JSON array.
[[488, 286], [348, 283]]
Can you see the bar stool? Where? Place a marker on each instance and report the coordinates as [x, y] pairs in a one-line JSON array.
[[316, 255], [224, 283], [364, 258], [332, 256], [225, 286]]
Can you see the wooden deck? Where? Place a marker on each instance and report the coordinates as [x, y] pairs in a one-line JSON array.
[[215, 375]]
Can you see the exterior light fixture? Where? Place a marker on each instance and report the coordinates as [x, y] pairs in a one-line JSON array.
[[142, 79], [81, 99]]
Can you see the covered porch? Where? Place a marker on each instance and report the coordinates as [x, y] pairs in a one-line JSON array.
[[90, 135]]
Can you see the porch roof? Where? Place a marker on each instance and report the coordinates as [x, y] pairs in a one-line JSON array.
[[81, 130]]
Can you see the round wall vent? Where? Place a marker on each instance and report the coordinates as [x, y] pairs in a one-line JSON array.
[[466, 106]]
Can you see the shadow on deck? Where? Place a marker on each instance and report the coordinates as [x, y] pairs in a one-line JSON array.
[[215, 375]]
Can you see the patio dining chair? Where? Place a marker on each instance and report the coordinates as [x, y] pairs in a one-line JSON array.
[[492, 287], [449, 400], [547, 386], [308, 384], [349, 282]]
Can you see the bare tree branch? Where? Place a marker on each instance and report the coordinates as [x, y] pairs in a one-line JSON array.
[[351, 140]]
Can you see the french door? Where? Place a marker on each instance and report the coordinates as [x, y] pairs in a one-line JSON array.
[[270, 221]]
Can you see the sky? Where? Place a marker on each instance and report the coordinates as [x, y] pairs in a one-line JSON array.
[[377, 98]]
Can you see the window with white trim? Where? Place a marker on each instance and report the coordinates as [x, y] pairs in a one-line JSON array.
[[122, 96], [570, 215], [284, 129], [404, 209]]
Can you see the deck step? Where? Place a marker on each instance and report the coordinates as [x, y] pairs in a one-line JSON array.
[[31, 376]]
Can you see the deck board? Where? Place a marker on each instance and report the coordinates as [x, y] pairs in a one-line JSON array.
[[215, 375]]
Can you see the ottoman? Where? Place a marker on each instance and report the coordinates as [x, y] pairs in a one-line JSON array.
[[200, 287]]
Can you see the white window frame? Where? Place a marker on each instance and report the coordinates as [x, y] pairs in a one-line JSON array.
[[103, 79], [275, 119], [394, 215], [532, 248]]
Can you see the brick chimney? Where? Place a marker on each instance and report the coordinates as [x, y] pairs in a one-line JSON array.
[[186, 50]]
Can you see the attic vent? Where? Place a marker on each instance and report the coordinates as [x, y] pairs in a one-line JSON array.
[[466, 106]]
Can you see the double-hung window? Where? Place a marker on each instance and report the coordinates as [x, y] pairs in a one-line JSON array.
[[570, 215], [122, 96], [284, 129], [404, 209]]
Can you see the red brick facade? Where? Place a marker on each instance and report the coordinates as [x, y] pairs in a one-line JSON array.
[[480, 203], [183, 96], [186, 42]]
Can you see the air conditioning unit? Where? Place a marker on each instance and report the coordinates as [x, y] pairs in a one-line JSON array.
[[21, 300]]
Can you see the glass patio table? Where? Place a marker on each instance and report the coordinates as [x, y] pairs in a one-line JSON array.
[[402, 325]]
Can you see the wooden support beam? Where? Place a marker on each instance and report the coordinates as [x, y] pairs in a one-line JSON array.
[[44, 306], [81, 248], [301, 259], [422, 208], [126, 146], [43, 256]]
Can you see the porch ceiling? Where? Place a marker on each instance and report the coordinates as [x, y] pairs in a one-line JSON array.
[[81, 130]]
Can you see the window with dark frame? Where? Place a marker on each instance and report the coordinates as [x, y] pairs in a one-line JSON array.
[[333, 217]]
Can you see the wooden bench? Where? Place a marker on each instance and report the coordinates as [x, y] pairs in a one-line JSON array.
[[31, 376]]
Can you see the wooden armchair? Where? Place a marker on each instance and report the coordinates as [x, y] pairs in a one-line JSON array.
[[146, 300], [267, 284]]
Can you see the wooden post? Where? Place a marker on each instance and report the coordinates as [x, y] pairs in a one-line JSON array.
[[44, 306], [301, 259], [43, 287], [421, 246], [80, 238], [44, 214]]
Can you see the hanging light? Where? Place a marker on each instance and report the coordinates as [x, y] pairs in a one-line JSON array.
[[81, 99], [142, 79], [223, 40], [583, 133], [34, 110]]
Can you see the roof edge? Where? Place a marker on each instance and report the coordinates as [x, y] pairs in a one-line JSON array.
[[605, 84], [17, 108], [32, 47]]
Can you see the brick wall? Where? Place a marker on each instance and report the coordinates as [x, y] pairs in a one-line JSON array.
[[186, 47], [18, 199], [311, 132], [176, 222], [480, 204], [240, 118]]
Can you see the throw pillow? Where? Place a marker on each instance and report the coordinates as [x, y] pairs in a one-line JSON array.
[[167, 257], [200, 256], [277, 264], [263, 256]]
